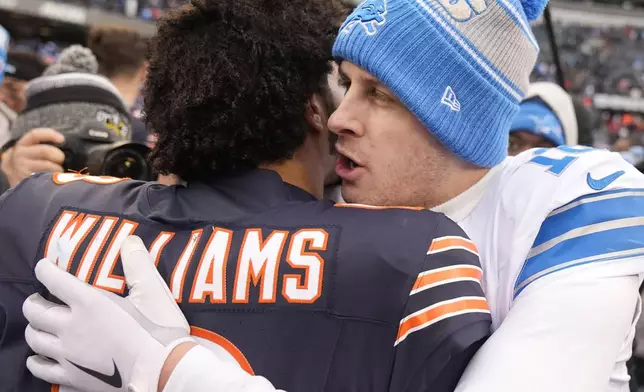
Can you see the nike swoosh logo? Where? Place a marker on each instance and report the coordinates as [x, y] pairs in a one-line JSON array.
[[114, 380], [602, 183]]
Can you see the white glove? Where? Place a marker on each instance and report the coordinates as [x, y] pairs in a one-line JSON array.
[[100, 341]]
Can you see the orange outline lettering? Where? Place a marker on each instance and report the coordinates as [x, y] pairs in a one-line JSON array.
[[210, 273], [112, 255], [256, 276], [183, 263], [307, 267]]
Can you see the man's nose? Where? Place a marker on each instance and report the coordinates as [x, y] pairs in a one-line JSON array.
[[344, 121]]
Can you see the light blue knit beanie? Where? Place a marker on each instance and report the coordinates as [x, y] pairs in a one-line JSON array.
[[461, 66]]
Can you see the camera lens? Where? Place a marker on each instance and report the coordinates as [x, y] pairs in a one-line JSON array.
[[126, 162]]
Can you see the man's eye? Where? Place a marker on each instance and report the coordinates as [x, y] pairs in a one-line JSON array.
[[380, 95], [345, 84]]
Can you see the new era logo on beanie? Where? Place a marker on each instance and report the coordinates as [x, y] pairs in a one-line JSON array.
[[461, 66], [69, 94], [449, 99]]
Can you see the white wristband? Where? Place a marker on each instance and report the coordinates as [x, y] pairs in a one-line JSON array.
[[202, 371], [147, 369]]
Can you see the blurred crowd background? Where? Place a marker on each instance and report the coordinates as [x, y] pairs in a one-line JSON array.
[[599, 43], [600, 48]]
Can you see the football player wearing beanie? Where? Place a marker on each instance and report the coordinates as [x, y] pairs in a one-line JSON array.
[[432, 90], [546, 119]]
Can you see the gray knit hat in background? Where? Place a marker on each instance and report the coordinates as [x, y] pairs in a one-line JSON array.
[[75, 58], [69, 94]]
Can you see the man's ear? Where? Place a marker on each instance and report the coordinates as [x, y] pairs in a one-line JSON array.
[[317, 113]]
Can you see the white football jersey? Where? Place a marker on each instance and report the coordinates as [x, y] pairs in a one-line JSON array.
[[548, 210], [549, 213]]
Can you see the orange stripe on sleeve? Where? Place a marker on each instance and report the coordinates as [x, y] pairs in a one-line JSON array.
[[440, 311], [444, 244], [226, 345], [440, 276]]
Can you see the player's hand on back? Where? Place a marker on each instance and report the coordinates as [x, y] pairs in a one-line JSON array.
[[99, 341], [32, 154]]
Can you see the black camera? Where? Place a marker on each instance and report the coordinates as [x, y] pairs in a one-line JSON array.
[[96, 149]]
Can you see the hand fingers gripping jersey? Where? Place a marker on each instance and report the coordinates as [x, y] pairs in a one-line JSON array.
[[310, 295]]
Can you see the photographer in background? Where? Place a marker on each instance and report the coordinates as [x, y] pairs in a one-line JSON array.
[[67, 96], [29, 155], [121, 52]]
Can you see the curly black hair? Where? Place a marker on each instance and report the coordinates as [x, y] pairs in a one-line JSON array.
[[229, 81]]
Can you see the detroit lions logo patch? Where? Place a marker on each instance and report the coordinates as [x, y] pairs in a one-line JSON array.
[[371, 14]]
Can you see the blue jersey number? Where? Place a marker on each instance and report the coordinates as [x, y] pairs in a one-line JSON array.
[[557, 166]]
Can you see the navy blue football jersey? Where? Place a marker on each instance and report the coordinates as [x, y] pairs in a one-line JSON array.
[[313, 295]]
